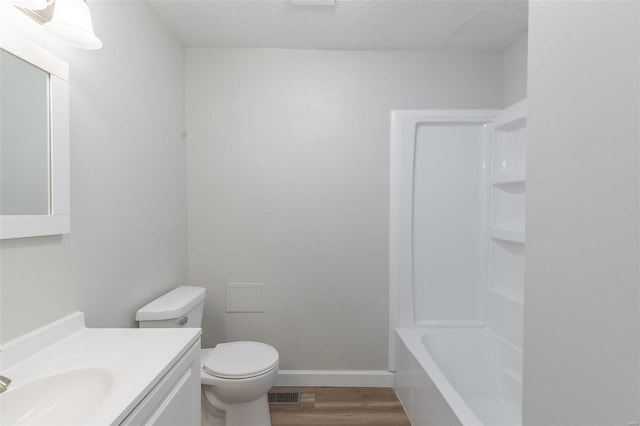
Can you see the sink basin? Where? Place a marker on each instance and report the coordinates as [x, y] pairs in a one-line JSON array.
[[64, 398], [67, 374]]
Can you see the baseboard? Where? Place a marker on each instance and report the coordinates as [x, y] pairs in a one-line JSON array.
[[336, 378]]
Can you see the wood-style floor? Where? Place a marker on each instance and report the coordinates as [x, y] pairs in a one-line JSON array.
[[340, 406]]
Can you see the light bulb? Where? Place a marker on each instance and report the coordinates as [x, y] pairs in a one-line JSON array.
[[71, 23]]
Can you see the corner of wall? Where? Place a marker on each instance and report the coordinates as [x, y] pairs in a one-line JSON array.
[[514, 86]]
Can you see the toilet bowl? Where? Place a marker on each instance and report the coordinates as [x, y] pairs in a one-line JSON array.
[[235, 379], [235, 376]]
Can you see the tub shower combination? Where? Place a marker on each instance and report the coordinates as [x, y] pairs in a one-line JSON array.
[[457, 264]]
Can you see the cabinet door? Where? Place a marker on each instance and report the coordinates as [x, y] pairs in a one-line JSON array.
[[176, 399]]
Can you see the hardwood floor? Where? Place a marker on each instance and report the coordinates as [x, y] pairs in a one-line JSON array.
[[340, 406]]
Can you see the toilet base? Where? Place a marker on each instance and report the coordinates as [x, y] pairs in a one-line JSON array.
[[218, 413]]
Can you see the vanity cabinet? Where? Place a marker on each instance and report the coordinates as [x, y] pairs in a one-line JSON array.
[[175, 400]]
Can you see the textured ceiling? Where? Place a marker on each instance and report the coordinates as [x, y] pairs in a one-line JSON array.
[[350, 24]]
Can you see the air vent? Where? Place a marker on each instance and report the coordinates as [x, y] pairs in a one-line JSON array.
[[313, 2], [284, 398]]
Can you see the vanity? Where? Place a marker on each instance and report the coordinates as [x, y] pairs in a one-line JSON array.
[[67, 374]]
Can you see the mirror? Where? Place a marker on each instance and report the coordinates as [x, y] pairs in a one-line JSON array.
[[34, 140], [24, 137]]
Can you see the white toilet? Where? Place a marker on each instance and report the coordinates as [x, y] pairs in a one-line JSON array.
[[235, 376]]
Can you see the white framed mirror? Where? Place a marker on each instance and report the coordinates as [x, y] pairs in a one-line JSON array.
[[34, 140]]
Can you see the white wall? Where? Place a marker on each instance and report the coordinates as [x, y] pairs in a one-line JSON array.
[[581, 293], [128, 240], [288, 185], [514, 86]]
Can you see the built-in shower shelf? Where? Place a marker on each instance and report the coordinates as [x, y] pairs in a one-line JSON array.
[[508, 178], [513, 118], [508, 234], [508, 294]]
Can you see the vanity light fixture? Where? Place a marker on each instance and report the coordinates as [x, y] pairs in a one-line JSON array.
[[71, 23], [32, 4]]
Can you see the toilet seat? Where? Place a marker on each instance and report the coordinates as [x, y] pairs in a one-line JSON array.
[[240, 360]]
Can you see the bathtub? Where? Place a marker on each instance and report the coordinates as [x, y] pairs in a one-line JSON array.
[[458, 377]]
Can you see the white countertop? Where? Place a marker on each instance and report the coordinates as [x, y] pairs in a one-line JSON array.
[[135, 358]]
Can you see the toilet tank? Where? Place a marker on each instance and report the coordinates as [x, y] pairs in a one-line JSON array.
[[181, 307]]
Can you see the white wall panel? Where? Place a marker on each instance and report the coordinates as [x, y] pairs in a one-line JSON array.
[[581, 293]]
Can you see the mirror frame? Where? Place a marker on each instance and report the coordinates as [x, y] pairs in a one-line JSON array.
[[58, 221]]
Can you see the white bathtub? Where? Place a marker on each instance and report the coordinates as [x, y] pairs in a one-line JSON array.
[[458, 377]]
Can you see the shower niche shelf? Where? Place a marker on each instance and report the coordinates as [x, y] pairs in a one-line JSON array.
[[512, 119], [509, 178], [509, 154], [506, 268], [505, 317], [505, 295], [508, 234], [507, 207]]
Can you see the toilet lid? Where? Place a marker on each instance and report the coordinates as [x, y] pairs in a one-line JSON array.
[[240, 360]]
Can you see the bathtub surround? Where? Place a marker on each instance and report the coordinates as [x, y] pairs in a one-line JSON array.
[[128, 240], [431, 362], [288, 185], [472, 243], [581, 313]]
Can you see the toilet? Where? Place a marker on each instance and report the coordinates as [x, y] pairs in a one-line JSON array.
[[235, 376]]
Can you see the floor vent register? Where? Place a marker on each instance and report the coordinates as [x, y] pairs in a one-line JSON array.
[[283, 398]]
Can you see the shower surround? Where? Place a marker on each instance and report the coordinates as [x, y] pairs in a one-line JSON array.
[[457, 264]]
